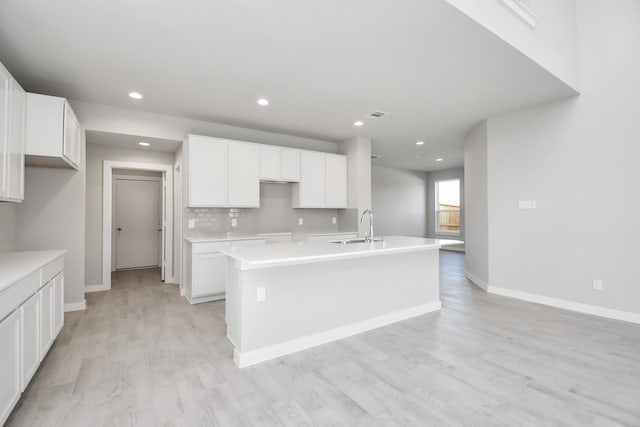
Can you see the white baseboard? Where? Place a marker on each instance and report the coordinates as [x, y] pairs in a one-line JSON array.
[[476, 281], [207, 298], [271, 352], [96, 288], [76, 306], [610, 313]]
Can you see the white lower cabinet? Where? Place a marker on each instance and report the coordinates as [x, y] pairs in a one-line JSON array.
[[46, 319], [31, 313], [30, 318], [206, 269], [9, 364]]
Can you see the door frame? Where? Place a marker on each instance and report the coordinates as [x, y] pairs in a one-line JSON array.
[[114, 209], [107, 220]]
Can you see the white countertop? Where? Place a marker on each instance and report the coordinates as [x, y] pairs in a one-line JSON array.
[[303, 252], [235, 237], [17, 265]]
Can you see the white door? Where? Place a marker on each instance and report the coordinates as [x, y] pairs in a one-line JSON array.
[[137, 223]]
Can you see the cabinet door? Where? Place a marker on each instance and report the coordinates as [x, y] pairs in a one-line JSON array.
[[336, 181], [270, 163], [209, 274], [290, 165], [69, 135], [58, 304], [46, 318], [207, 171], [15, 144], [244, 175], [30, 354], [5, 78], [9, 364], [310, 191]]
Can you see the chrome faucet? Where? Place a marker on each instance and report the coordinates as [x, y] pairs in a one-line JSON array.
[[368, 238]]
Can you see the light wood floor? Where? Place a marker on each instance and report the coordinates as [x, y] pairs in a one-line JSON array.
[[140, 355]]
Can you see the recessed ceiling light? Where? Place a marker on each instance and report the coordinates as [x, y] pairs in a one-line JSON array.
[[439, 159], [135, 95], [144, 144], [263, 101], [420, 143], [358, 123]]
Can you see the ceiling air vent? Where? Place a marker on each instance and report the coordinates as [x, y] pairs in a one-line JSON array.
[[377, 115]]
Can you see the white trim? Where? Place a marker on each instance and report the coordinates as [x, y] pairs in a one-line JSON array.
[[626, 316], [107, 200], [206, 298], [476, 281], [271, 352], [75, 306], [95, 288], [520, 9]]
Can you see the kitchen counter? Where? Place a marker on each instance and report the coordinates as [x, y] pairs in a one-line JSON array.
[[304, 252], [231, 237], [15, 266], [286, 297]]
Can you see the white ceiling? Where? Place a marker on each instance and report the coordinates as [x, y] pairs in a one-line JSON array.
[[322, 64]]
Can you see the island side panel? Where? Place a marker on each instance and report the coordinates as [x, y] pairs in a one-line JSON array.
[[310, 299], [233, 306]]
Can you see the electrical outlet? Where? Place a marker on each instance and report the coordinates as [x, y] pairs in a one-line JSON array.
[[527, 204], [334, 220], [597, 284], [300, 221], [234, 222], [261, 294], [192, 223]]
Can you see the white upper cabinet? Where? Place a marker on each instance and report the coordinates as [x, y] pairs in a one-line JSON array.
[[310, 192], [279, 164], [244, 175], [12, 138], [336, 181], [323, 181], [54, 135], [290, 165], [223, 173], [270, 163], [207, 171]]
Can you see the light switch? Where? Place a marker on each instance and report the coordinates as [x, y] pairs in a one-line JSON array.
[[261, 294], [192, 223], [334, 220], [300, 221], [527, 204], [234, 222]]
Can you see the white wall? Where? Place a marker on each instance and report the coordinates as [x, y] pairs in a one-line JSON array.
[[578, 158], [103, 118], [7, 226], [475, 201], [96, 155], [552, 44], [432, 177], [399, 201], [52, 216]]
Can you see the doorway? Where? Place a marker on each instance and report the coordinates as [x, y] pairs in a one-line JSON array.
[[141, 226], [137, 219]]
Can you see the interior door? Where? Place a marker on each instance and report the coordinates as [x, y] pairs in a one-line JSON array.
[[137, 223]]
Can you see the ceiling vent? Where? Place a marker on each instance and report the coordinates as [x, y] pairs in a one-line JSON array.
[[377, 115]]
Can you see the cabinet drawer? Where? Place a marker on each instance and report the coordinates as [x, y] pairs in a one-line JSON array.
[[52, 269], [16, 294], [208, 247], [249, 242]]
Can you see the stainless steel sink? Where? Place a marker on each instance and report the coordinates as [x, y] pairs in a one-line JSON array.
[[359, 240]]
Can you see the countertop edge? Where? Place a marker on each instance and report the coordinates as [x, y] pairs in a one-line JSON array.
[[48, 256]]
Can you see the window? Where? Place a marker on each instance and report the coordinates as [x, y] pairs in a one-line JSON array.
[[448, 207]]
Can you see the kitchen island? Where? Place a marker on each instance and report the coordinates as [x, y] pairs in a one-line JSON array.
[[286, 297]]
